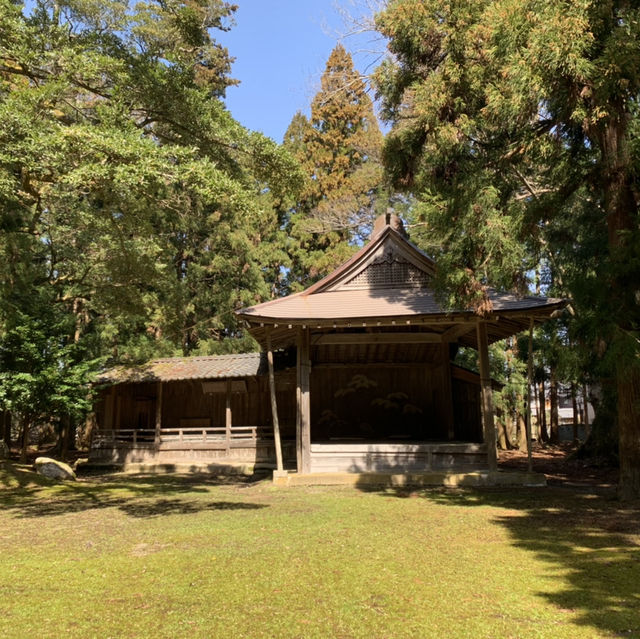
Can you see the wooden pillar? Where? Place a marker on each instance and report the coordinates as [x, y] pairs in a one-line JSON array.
[[228, 418], [529, 383], [274, 405], [299, 399], [158, 424], [487, 397], [303, 432]]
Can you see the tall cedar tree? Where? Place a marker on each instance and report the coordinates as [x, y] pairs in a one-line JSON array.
[[516, 123], [339, 150], [129, 197]]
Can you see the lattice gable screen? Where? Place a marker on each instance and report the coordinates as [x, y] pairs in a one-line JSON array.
[[389, 270]]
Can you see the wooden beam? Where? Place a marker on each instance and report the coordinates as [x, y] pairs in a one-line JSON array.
[[304, 401], [274, 404], [228, 417], [377, 338], [158, 422], [356, 365], [488, 424], [455, 332]]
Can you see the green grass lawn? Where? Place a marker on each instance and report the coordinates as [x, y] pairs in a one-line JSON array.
[[166, 556]]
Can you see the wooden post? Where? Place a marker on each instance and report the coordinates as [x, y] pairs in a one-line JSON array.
[[299, 399], [228, 418], [274, 405], [487, 397], [529, 383], [303, 441], [158, 424]]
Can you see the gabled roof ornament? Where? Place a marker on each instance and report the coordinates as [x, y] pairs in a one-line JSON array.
[[389, 219]]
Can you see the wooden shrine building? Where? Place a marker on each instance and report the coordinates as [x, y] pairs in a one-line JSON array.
[[362, 380]]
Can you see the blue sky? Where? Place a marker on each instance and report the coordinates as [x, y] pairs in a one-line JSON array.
[[281, 48]]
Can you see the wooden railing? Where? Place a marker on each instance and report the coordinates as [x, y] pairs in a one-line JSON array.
[[135, 436], [190, 434], [214, 433]]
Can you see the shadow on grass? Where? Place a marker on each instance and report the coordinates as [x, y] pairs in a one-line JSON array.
[[27, 494], [593, 540]]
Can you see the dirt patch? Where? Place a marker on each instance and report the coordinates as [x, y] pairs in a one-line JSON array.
[[561, 467]]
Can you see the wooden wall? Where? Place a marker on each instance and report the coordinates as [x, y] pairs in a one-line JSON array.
[[379, 402], [467, 410]]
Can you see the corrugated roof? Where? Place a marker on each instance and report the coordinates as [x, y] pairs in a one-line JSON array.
[[182, 368]]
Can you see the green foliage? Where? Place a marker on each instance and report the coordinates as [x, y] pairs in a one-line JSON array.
[[44, 373]]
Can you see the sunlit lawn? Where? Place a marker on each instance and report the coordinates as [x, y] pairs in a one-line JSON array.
[[192, 557]]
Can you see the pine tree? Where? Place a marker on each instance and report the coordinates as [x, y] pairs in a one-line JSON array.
[[339, 151]]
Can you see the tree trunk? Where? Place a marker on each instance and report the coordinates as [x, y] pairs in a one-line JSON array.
[[629, 431], [522, 433], [24, 440], [544, 433], [503, 440], [576, 414], [622, 218], [73, 432], [512, 429], [6, 428], [65, 434], [554, 435], [87, 433], [585, 418], [536, 399], [522, 426]]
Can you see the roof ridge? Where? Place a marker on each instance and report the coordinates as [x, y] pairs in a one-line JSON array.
[[198, 357]]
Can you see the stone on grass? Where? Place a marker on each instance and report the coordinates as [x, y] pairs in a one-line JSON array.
[[54, 469]]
